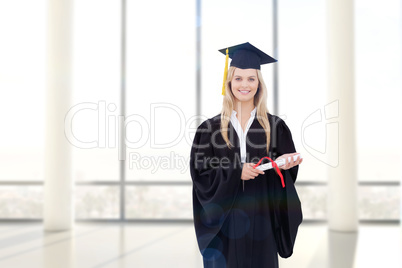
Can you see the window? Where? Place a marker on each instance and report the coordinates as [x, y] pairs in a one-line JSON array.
[[160, 99]]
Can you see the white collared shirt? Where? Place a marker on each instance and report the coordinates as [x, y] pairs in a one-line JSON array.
[[242, 135]]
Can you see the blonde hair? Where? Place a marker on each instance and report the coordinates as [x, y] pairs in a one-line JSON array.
[[260, 100]]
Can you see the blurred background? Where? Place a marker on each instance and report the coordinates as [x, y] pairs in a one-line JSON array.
[[160, 65]]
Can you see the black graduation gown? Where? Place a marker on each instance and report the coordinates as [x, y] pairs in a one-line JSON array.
[[236, 227]]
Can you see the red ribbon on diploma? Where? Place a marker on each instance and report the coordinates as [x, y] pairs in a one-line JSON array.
[[275, 166]]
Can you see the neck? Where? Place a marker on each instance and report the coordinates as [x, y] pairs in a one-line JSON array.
[[243, 108]]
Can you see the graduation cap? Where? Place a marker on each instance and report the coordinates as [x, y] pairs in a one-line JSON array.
[[244, 56]]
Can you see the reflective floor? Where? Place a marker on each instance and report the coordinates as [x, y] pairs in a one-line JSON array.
[[174, 245]]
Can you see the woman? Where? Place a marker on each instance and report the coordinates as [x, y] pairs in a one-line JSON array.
[[243, 216]]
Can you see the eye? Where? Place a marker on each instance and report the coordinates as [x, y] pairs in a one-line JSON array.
[[237, 78], [252, 79]]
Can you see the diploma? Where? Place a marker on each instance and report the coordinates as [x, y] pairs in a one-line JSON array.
[[279, 162]]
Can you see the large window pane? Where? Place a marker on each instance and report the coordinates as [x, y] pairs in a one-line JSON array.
[[159, 202], [303, 81], [21, 202], [96, 88], [378, 89], [160, 88], [97, 202], [22, 84], [375, 202], [314, 201], [379, 202], [226, 23]]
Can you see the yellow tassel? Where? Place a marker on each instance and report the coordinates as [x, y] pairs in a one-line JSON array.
[[226, 71]]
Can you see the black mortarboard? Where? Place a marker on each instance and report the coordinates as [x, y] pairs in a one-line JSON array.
[[244, 56], [247, 56]]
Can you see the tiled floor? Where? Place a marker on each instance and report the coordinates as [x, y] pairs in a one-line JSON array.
[[174, 245]]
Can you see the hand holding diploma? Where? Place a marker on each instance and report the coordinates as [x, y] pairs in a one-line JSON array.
[[284, 162], [288, 161], [248, 172]]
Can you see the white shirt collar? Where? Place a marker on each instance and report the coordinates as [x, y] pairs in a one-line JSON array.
[[252, 112]]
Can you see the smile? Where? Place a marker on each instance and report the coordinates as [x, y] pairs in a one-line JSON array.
[[244, 92]]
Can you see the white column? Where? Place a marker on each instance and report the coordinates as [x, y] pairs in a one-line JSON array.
[[400, 143], [58, 188], [342, 202]]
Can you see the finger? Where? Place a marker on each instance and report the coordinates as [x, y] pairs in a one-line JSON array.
[[253, 169], [290, 162], [259, 171], [250, 176], [255, 172], [295, 161]]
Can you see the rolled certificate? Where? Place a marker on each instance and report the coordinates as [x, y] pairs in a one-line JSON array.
[[279, 162]]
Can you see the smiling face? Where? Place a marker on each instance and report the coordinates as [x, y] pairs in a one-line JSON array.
[[244, 84]]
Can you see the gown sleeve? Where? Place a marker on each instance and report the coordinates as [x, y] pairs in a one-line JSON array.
[[215, 185], [287, 207]]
